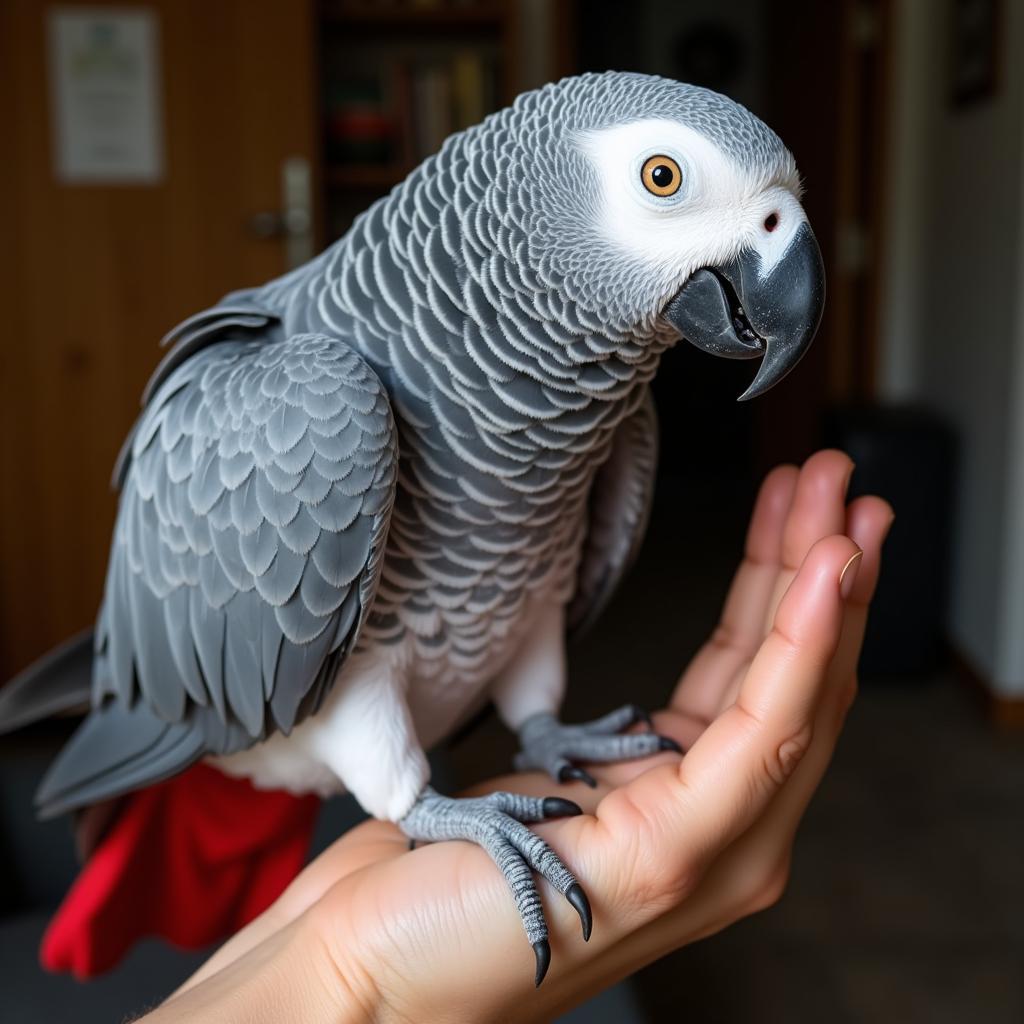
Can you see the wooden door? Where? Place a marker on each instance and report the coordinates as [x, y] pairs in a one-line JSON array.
[[91, 276]]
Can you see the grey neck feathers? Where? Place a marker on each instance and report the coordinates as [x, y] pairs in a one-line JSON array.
[[441, 287]]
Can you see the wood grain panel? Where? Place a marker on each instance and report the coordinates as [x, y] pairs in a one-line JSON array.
[[93, 276]]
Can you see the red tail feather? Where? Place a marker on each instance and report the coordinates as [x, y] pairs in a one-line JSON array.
[[191, 859]]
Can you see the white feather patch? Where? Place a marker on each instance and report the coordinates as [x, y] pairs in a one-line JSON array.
[[720, 208]]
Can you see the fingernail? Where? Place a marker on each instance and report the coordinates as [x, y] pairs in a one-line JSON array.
[[848, 576]]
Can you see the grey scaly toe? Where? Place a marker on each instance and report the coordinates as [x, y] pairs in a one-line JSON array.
[[549, 746], [497, 823]]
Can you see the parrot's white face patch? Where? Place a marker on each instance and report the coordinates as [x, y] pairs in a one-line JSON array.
[[719, 208]]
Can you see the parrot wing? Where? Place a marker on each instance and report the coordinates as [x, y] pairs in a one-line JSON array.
[[61, 680], [247, 550], [620, 506]]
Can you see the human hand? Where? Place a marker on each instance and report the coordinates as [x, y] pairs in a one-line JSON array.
[[669, 850]]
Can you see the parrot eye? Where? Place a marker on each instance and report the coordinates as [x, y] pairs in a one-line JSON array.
[[661, 175]]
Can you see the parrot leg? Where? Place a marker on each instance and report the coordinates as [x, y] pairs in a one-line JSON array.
[[552, 747], [496, 823], [530, 689]]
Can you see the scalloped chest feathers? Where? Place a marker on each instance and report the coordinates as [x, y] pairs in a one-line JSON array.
[[502, 426]]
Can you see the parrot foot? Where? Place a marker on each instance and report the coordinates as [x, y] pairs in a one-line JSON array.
[[495, 822], [550, 746]]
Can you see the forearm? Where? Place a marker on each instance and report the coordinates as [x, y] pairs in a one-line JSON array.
[[289, 977]]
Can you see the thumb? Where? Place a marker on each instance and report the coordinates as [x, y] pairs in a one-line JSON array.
[[685, 814]]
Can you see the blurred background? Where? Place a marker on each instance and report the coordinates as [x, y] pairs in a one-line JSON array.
[[234, 139]]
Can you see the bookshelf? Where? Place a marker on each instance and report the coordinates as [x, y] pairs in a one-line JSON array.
[[443, 13], [398, 76]]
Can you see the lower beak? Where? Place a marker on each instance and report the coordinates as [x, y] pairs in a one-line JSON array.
[[735, 312]]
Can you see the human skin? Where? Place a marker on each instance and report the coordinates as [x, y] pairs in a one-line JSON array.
[[669, 850]]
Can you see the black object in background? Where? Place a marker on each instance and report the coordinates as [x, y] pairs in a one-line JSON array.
[[906, 455], [710, 53]]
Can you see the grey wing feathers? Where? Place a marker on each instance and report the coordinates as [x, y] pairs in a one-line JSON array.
[[114, 750], [620, 506], [59, 681], [246, 552], [237, 317]]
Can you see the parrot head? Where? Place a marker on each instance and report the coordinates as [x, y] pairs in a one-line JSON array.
[[664, 210]]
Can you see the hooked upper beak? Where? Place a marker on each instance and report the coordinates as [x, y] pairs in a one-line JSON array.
[[734, 311]]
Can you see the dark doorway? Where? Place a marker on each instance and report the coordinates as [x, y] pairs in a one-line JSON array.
[[821, 84]]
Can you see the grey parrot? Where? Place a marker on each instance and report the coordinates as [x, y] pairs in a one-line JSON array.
[[370, 496]]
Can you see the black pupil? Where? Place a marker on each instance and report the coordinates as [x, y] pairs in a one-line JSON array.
[[662, 176]]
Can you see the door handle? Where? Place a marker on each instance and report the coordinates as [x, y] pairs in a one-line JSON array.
[[293, 223]]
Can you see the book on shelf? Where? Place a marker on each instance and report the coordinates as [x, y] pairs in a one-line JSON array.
[[469, 89], [449, 96], [432, 108], [361, 124], [433, 5], [402, 112], [415, 6]]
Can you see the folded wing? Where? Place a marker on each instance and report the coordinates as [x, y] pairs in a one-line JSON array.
[[620, 507], [246, 553]]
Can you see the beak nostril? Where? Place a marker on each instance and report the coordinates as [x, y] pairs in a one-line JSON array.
[[771, 222]]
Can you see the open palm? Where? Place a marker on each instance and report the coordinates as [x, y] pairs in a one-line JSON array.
[[669, 850]]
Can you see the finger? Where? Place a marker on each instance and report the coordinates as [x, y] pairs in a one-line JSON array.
[[868, 521], [818, 510], [735, 883], [747, 875], [741, 628], [746, 755], [819, 505], [764, 535]]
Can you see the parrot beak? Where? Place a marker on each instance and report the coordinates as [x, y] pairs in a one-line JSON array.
[[736, 312]]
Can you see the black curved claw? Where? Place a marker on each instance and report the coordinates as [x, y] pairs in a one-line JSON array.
[[542, 951], [570, 773], [556, 807], [664, 743], [578, 898]]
